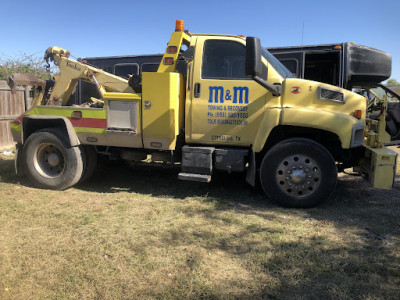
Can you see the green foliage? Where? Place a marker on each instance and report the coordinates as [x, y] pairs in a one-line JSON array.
[[29, 64], [392, 82]]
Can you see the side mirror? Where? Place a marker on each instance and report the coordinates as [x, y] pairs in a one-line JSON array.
[[253, 57], [254, 66]]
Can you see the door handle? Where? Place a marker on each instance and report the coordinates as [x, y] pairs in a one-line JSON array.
[[197, 90]]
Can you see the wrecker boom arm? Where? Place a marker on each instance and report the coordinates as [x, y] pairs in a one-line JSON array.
[[71, 71]]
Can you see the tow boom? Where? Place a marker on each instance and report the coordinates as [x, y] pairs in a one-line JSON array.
[[71, 71]]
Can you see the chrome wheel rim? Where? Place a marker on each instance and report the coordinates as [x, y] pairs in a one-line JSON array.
[[49, 160], [298, 175]]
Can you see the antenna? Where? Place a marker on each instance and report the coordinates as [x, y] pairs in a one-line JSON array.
[[302, 35]]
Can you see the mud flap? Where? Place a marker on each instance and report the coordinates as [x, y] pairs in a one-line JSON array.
[[251, 170], [19, 169], [379, 164]]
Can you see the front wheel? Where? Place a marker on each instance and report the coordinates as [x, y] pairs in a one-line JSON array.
[[50, 162], [298, 172]]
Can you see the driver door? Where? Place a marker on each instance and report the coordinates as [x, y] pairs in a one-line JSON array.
[[226, 105]]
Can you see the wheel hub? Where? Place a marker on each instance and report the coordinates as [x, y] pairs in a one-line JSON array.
[[49, 160], [298, 175], [53, 159]]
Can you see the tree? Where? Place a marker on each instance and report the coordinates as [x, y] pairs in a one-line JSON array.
[[392, 82], [30, 64]]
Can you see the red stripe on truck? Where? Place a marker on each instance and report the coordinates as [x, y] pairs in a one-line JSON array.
[[89, 123]]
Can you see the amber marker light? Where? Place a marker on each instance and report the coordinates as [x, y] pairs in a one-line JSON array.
[[358, 114], [168, 60], [180, 25], [338, 47], [76, 114], [172, 49]]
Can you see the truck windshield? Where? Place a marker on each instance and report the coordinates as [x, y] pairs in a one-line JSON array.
[[281, 69], [382, 91]]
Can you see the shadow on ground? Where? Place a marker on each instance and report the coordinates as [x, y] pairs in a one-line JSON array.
[[358, 261], [356, 265]]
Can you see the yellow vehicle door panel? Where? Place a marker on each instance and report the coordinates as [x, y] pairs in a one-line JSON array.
[[226, 105]]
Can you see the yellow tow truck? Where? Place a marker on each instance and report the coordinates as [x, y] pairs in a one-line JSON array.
[[216, 102]]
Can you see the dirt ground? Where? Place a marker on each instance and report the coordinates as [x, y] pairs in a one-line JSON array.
[[140, 233]]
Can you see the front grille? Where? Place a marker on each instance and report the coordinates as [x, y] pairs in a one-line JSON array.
[[328, 94]]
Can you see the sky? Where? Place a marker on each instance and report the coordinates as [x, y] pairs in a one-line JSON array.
[[110, 28]]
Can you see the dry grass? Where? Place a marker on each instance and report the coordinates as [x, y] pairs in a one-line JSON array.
[[141, 233]]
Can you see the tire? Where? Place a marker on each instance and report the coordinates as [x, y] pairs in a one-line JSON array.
[[298, 173], [50, 162], [89, 154]]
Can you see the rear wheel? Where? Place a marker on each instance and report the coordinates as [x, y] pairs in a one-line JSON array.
[[89, 162], [298, 173], [49, 160]]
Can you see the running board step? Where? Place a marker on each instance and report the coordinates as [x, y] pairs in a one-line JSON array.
[[194, 177]]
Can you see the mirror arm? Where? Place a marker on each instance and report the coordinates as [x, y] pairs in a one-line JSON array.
[[276, 90]]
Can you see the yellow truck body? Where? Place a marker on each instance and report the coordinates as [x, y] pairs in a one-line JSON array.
[[212, 115]]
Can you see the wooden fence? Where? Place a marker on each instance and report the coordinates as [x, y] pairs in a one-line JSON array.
[[11, 106]]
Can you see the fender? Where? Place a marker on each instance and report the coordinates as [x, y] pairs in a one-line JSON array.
[[340, 124], [32, 123], [269, 121]]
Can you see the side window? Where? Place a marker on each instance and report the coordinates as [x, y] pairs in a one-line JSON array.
[[292, 65], [223, 60], [124, 70], [150, 67]]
